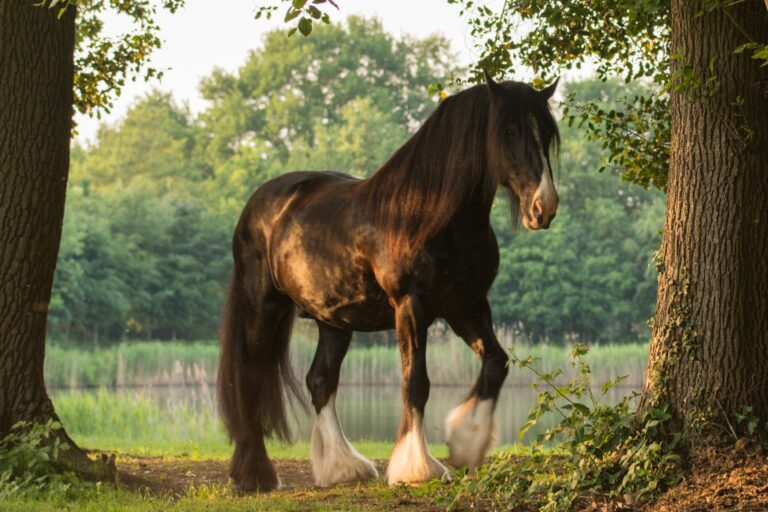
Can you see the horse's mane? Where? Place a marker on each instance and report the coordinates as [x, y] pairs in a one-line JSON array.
[[432, 176], [423, 185]]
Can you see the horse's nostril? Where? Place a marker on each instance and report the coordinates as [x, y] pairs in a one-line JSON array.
[[540, 219]]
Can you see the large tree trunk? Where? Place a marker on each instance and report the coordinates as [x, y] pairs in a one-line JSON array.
[[709, 352], [36, 95]]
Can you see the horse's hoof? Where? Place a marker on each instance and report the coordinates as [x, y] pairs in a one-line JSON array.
[[261, 483], [470, 432], [348, 469], [255, 478]]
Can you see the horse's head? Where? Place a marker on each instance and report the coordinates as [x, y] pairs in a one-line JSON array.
[[522, 131]]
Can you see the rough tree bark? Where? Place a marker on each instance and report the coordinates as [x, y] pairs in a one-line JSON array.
[[36, 95], [709, 352]]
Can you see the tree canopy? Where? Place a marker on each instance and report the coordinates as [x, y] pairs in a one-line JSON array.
[[145, 251]]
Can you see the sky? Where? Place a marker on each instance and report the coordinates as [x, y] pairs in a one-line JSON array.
[[207, 34]]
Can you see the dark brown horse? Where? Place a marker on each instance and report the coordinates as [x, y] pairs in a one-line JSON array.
[[406, 246]]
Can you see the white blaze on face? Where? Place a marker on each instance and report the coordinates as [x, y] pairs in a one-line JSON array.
[[545, 192]]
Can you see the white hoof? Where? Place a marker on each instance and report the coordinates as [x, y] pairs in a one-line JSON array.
[[334, 460], [470, 432], [411, 461]]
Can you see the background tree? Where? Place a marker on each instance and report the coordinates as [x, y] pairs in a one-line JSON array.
[[709, 354], [38, 76]]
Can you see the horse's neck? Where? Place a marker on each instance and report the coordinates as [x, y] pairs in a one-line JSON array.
[[475, 214]]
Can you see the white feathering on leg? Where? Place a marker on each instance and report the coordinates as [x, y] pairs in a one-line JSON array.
[[334, 460], [470, 432], [411, 461]]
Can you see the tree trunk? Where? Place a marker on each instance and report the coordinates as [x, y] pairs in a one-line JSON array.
[[709, 352], [36, 95]]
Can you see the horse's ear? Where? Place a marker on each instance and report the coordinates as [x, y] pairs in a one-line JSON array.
[[492, 85], [549, 90]]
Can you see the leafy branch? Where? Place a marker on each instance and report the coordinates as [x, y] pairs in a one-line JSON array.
[[302, 14]]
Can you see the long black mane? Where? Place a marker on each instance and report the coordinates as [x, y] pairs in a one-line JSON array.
[[431, 177]]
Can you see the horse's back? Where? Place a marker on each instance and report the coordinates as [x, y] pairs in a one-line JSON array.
[[273, 194]]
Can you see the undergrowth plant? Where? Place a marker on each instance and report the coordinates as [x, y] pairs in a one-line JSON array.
[[595, 449], [29, 465]]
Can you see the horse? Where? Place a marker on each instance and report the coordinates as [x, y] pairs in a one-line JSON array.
[[407, 246]]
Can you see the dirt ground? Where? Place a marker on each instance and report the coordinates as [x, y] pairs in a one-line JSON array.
[[718, 480], [174, 476], [735, 479]]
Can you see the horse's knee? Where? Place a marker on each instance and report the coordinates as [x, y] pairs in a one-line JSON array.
[[418, 389], [499, 366], [494, 372], [320, 388]]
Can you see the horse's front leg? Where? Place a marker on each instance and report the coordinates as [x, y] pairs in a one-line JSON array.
[[334, 460], [411, 461], [470, 430]]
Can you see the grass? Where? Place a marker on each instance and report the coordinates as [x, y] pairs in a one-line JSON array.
[[222, 450], [189, 427], [369, 497]]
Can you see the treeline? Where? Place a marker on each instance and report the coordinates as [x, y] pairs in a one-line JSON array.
[[145, 251]]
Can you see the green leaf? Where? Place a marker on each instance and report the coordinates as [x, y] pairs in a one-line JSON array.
[[298, 4], [581, 408], [525, 427], [291, 14], [305, 26]]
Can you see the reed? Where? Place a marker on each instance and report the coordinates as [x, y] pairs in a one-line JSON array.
[[449, 361], [181, 425]]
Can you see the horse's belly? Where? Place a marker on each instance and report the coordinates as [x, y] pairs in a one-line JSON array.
[[366, 316], [355, 312], [345, 295]]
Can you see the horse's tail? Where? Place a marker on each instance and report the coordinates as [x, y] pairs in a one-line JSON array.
[[255, 376]]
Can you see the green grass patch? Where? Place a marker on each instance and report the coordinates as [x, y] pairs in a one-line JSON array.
[[364, 497], [194, 450]]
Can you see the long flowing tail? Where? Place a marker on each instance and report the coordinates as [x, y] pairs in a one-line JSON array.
[[255, 380]]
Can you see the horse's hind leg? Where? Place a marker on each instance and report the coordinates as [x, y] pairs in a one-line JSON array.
[[254, 369], [334, 460], [411, 461], [470, 430]]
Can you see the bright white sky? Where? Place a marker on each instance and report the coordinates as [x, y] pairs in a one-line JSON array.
[[218, 33]]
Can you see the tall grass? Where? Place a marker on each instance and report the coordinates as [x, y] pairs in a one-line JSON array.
[[449, 361], [184, 424], [130, 364], [136, 422]]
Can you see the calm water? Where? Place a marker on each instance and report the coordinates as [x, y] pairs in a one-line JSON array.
[[373, 412]]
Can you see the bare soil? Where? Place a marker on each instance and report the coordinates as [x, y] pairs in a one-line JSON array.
[[174, 476], [734, 479]]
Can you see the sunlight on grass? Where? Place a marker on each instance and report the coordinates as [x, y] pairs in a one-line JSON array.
[[222, 450]]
